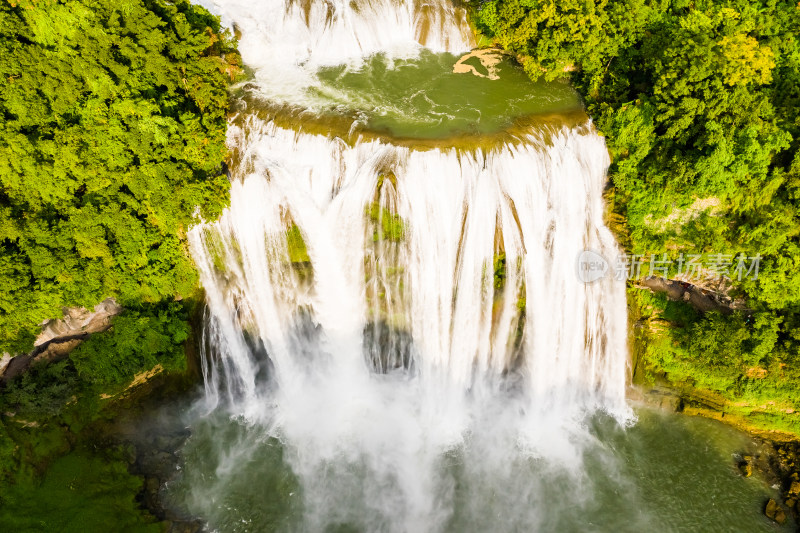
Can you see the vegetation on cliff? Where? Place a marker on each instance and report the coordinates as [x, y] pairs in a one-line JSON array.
[[699, 104]]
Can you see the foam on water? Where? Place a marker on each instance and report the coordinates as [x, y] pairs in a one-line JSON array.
[[388, 352]]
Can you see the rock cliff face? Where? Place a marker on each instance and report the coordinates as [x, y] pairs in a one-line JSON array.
[[79, 320], [702, 296], [61, 336]]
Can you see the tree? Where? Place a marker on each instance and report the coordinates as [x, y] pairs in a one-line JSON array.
[[112, 135]]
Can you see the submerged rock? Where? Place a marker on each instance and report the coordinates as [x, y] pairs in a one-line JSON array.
[[774, 511], [746, 468]]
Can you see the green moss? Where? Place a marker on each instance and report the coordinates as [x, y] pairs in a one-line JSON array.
[[298, 253], [388, 226], [216, 250], [499, 271]]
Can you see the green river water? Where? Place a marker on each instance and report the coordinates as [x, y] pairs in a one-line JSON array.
[[422, 98], [666, 473]]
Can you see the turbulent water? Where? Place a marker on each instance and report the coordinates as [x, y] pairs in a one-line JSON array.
[[447, 272], [407, 323]]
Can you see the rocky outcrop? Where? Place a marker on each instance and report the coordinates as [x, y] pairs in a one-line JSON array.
[[655, 396], [702, 299], [489, 58], [61, 336], [774, 456], [4, 362], [79, 320]]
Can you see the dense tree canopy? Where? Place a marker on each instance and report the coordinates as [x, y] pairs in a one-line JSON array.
[[699, 104], [112, 136]]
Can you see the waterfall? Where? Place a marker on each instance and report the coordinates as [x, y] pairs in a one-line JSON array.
[[385, 310], [286, 41]]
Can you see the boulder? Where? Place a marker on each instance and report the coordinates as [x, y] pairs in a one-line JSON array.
[[775, 512]]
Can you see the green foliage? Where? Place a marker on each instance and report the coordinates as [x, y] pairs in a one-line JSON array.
[[112, 134], [553, 37], [68, 390], [136, 342], [112, 137], [48, 411], [499, 270], [698, 102], [42, 391], [79, 493], [388, 225], [744, 358], [297, 246]]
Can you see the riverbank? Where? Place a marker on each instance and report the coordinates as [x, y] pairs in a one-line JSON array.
[[114, 121], [726, 351], [76, 424], [70, 459], [776, 460]]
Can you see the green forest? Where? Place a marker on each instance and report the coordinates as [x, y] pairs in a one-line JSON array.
[[113, 131], [698, 101], [112, 138]]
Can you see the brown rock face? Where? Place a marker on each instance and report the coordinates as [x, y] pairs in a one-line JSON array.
[[61, 336], [78, 320]]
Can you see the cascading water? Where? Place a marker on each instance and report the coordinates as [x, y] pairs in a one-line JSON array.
[[407, 323], [405, 243], [286, 41]]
